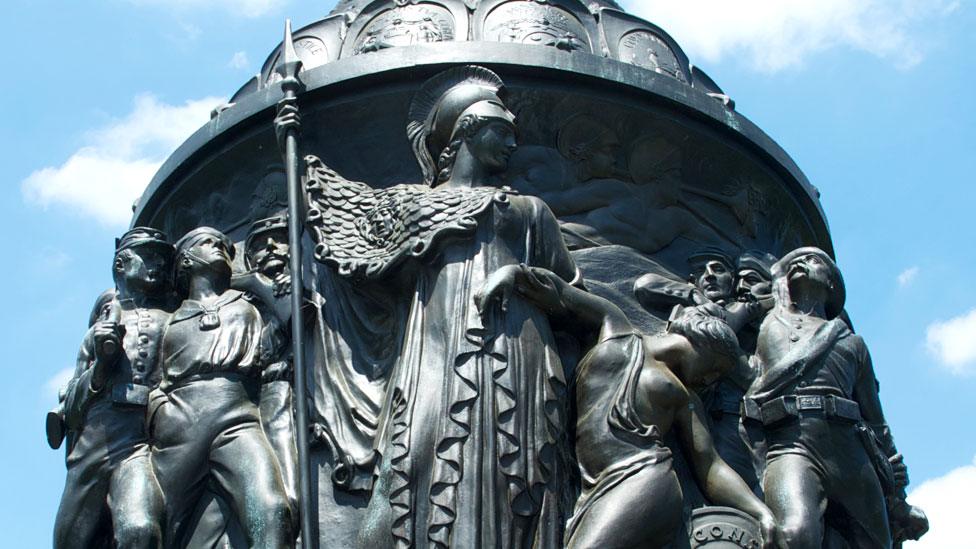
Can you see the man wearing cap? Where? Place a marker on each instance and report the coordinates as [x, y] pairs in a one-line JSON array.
[[110, 483], [711, 282], [204, 417], [753, 284], [817, 399], [716, 286], [751, 293], [266, 253]]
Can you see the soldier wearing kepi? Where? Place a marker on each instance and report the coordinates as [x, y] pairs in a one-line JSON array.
[[817, 398], [204, 418], [715, 287], [110, 480], [710, 283], [753, 284], [266, 254]]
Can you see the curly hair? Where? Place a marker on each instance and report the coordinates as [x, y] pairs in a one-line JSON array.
[[705, 331]]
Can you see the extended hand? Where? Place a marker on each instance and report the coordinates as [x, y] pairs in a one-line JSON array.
[[499, 287]]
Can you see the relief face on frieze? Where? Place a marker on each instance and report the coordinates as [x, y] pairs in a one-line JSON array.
[[513, 310], [644, 49], [529, 22], [405, 26]]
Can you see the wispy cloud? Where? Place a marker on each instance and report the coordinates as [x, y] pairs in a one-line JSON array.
[[103, 178], [772, 35], [55, 383], [49, 261], [947, 501], [239, 60], [245, 8], [953, 342], [906, 277]]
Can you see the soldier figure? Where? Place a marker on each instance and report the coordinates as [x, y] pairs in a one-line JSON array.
[[817, 399], [711, 282], [266, 255], [110, 480], [631, 390], [753, 284], [204, 417], [715, 288]]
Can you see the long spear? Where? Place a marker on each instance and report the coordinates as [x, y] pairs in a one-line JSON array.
[[287, 108]]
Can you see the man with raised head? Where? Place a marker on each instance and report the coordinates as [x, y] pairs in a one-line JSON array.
[[204, 418], [631, 390], [817, 399], [111, 492]]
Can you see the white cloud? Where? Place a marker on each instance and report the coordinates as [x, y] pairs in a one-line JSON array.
[[947, 501], [238, 60], [775, 34], [246, 8], [954, 343], [54, 385], [103, 178], [907, 276]]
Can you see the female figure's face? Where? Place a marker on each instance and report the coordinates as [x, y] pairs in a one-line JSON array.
[[492, 145]]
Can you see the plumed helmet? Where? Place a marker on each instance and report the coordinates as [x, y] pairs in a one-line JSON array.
[[442, 102]]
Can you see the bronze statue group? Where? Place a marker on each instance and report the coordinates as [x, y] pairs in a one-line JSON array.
[[465, 379]]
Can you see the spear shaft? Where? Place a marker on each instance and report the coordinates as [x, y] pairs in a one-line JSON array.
[[290, 86]]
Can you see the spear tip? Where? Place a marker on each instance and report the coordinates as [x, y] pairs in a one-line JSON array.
[[290, 64]]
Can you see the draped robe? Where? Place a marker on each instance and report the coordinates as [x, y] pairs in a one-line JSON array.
[[474, 426]]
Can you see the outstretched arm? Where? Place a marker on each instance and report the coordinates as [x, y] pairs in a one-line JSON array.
[[585, 198], [555, 297], [720, 483]]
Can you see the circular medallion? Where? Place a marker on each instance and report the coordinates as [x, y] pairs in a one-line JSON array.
[[645, 49], [528, 22], [405, 26]]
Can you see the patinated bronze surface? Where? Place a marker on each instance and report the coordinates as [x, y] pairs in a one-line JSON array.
[[500, 273]]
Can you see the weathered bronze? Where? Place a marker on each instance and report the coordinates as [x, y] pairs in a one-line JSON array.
[[478, 273], [111, 493], [204, 416], [816, 396]]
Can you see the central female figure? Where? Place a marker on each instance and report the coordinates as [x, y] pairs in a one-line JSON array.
[[473, 430]]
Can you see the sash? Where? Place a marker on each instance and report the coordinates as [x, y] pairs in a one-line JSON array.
[[800, 360]]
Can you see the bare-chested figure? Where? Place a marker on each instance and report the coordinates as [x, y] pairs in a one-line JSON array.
[[631, 391]]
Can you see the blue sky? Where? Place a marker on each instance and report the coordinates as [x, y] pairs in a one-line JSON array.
[[874, 101]]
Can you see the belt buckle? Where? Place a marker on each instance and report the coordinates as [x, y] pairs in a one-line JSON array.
[[809, 402]]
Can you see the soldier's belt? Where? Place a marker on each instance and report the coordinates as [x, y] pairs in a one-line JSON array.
[[786, 408]]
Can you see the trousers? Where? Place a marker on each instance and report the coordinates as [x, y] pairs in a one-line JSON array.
[[207, 434], [111, 492]]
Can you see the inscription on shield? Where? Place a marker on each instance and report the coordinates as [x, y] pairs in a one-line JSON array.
[[405, 26], [644, 49], [528, 22]]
